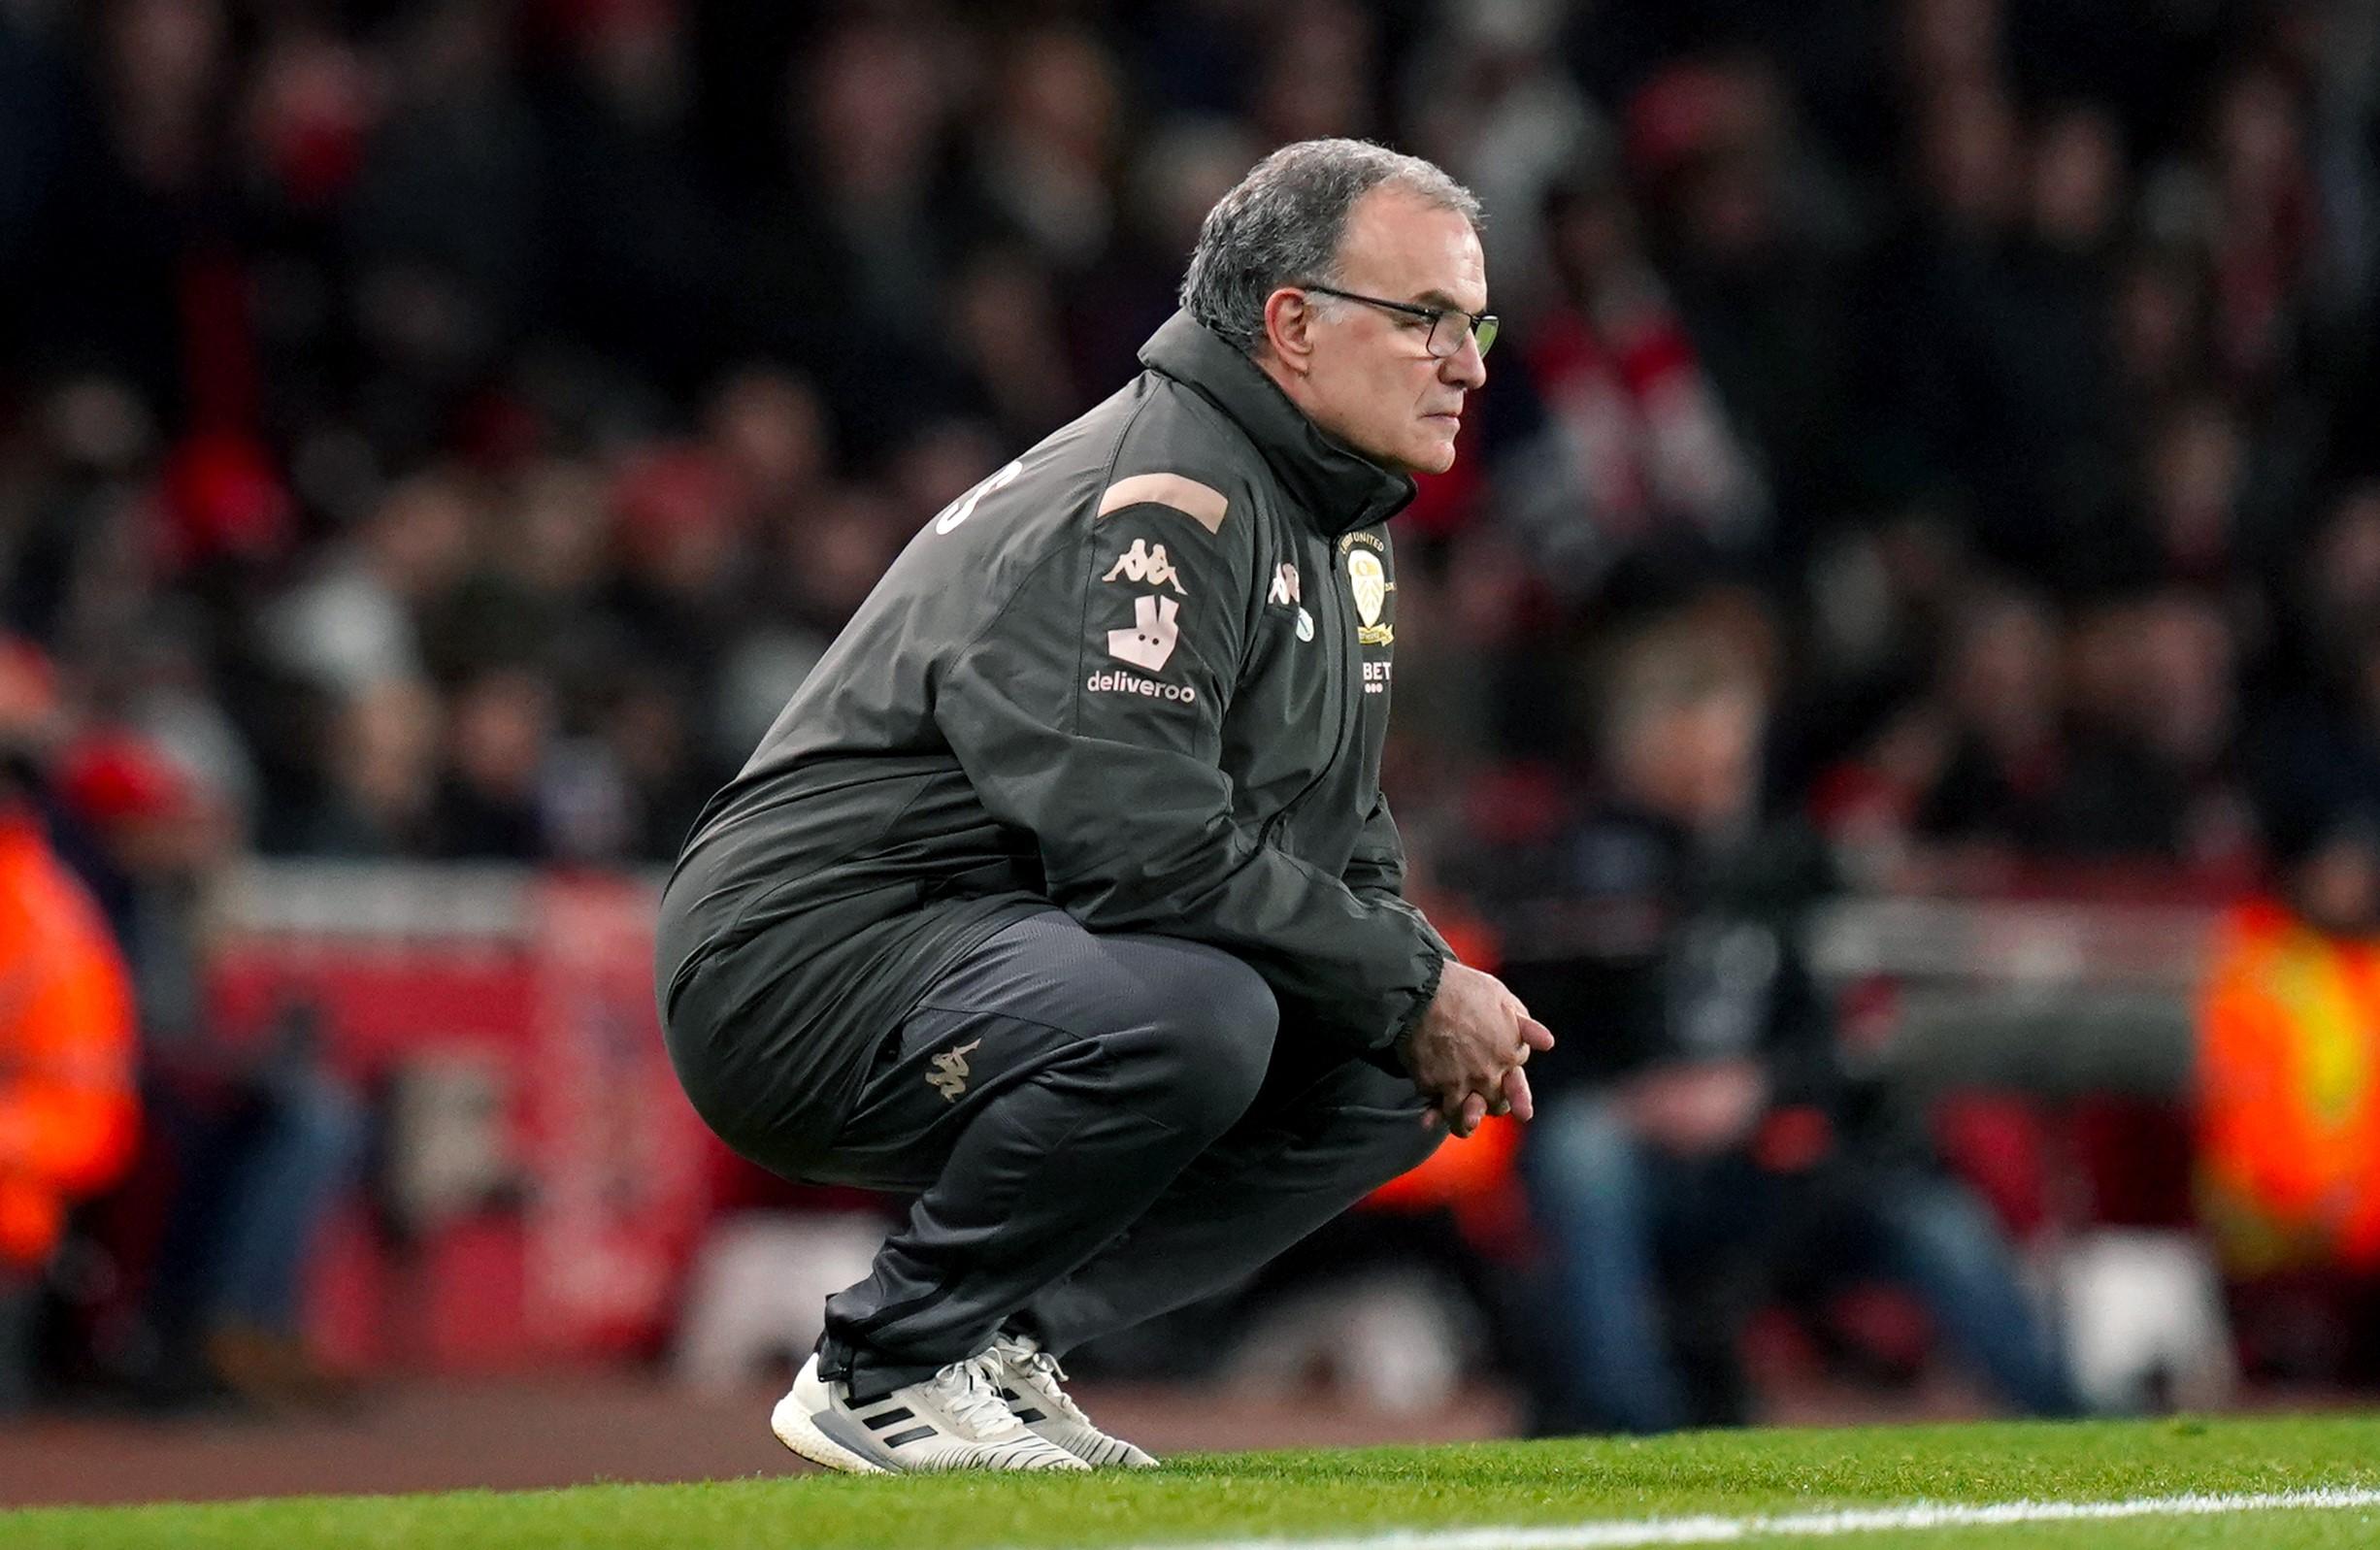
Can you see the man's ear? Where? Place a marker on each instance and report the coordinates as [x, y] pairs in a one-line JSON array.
[[1289, 328]]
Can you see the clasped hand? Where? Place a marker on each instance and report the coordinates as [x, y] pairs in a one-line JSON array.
[[1467, 1051]]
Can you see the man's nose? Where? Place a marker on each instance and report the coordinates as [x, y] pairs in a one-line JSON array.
[[1466, 367]]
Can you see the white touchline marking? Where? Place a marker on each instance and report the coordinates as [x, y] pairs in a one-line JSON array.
[[1622, 1534]]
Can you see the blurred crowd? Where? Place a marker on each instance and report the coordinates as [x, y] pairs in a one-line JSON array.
[[451, 430]]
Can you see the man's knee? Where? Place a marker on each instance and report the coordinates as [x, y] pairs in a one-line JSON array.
[[1375, 1120], [1396, 1142], [1201, 1034]]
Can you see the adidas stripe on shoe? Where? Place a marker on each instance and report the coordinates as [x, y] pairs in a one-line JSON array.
[[1028, 1378], [954, 1420]]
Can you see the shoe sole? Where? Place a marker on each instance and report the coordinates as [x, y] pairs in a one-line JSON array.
[[1112, 1453], [798, 1432]]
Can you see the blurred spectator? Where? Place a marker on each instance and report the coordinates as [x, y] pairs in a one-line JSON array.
[[612, 124], [1179, 168], [1699, 1146], [847, 259], [356, 620], [260, 1141], [383, 765], [264, 1143], [769, 431], [1317, 71], [441, 222], [69, 1118], [1486, 98], [2061, 297], [2159, 331], [2287, 1104], [1046, 153], [158, 834], [2002, 704], [2264, 224], [676, 549], [1008, 329], [492, 802], [1749, 228], [2316, 754], [1953, 413], [2179, 711], [645, 731], [2187, 527], [1637, 456]]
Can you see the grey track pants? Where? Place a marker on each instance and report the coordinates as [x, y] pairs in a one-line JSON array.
[[1100, 1128]]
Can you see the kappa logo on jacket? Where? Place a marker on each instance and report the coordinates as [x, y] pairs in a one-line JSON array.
[[1284, 589], [948, 1077], [1142, 563]]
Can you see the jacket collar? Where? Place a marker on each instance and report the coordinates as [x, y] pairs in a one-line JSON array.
[[1340, 489]]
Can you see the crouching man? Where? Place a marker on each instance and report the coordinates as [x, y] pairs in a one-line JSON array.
[[1063, 894]]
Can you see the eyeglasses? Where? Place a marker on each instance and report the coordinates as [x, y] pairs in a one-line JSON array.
[[1448, 324]]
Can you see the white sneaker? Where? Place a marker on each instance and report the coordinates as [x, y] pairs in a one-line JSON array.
[[954, 1420], [1028, 1378]]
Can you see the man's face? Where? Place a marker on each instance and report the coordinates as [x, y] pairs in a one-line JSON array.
[[1369, 378]]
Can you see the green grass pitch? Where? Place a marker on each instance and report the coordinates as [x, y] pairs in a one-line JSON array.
[[1431, 1494]]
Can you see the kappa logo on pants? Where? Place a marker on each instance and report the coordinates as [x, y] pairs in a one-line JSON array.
[[948, 1077]]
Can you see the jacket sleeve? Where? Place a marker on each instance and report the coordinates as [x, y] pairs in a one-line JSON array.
[[1375, 870], [1089, 714]]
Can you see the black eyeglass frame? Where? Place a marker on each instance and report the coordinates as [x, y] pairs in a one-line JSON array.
[[1477, 320]]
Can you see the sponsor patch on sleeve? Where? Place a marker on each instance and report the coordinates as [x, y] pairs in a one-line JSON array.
[[1148, 642]]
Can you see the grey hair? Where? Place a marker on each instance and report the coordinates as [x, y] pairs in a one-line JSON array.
[[1284, 221]]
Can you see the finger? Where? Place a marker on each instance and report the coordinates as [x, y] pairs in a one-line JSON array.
[[1457, 1111], [1536, 1035], [1432, 1118], [1517, 1097], [1520, 1056], [1475, 1110]]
